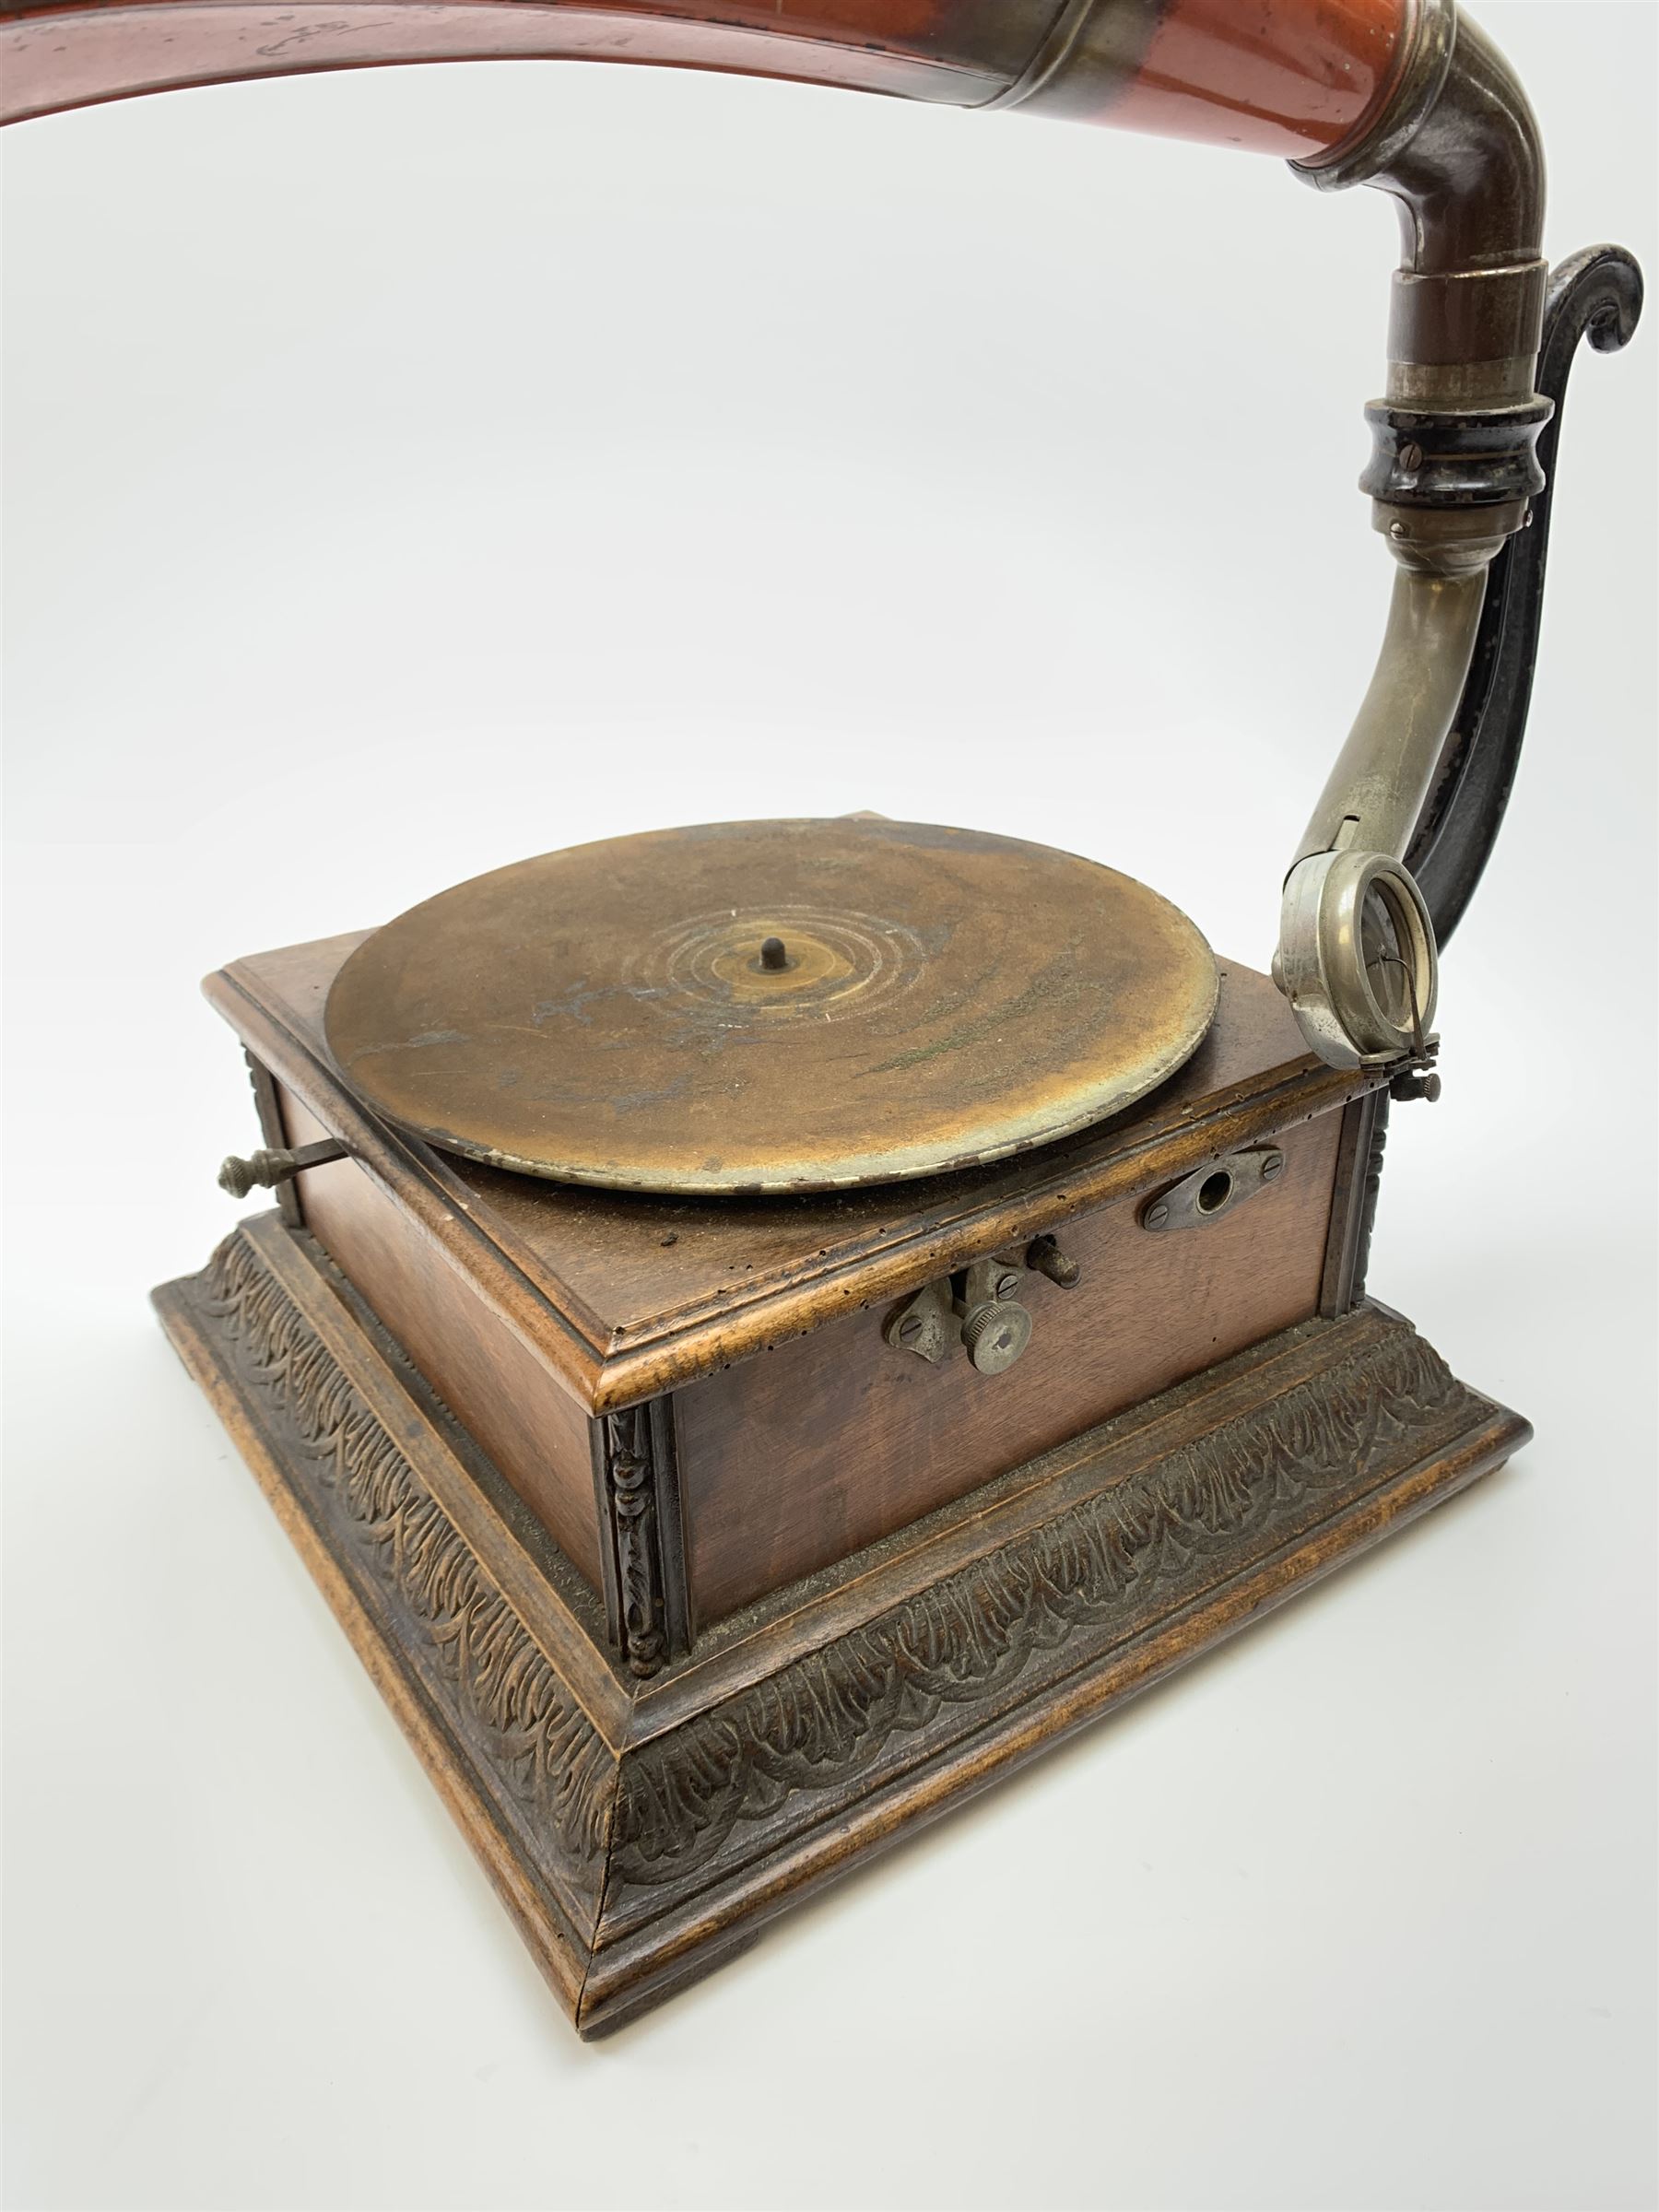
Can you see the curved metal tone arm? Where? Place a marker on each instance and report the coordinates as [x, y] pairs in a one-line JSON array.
[[1597, 295], [1452, 475]]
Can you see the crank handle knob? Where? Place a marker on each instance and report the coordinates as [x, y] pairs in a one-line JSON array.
[[266, 1170]]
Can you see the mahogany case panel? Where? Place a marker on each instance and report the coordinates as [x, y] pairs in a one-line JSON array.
[[626, 1296], [792, 1459], [537, 1313], [501, 1394]]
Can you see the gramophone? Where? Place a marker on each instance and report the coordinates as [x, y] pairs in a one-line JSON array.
[[766, 1325]]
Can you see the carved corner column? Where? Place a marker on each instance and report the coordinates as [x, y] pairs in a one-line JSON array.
[[1354, 1204], [636, 1483]]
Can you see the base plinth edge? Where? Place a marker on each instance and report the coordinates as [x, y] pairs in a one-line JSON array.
[[640, 1840]]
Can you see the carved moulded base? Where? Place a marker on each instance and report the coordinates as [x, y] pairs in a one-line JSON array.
[[638, 1832]]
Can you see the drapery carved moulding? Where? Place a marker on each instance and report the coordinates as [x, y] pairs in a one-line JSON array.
[[635, 1851]]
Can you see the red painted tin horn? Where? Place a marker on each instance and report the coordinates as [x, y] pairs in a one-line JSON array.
[[1404, 94], [1307, 74]]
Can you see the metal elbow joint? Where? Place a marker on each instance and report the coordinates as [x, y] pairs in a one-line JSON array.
[[1451, 477]]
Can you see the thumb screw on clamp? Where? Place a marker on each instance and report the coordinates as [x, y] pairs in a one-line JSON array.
[[1406, 1087]]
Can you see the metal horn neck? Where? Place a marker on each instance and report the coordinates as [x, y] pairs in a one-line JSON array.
[[1452, 474]]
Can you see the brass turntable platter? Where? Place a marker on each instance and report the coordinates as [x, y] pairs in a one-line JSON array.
[[794, 1006]]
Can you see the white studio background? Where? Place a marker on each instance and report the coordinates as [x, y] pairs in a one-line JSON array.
[[410, 471]]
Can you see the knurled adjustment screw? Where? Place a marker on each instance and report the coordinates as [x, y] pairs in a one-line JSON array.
[[995, 1336], [1406, 1088]]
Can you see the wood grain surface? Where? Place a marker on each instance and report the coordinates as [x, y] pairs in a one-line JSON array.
[[624, 1296], [791, 1460], [491, 1378], [538, 1311]]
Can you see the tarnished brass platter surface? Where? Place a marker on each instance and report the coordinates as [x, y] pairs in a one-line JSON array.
[[771, 1006]]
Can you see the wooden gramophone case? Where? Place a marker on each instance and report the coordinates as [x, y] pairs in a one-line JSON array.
[[687, 1583], [707, 1525]]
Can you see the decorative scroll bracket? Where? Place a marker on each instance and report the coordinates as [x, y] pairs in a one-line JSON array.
[[1596, 294]]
